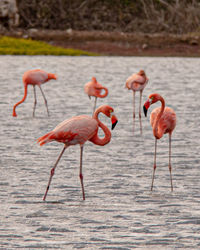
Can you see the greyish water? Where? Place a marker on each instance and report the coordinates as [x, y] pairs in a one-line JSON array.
[[120, 211]]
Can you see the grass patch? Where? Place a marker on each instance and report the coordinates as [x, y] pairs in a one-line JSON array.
[[20, 46]]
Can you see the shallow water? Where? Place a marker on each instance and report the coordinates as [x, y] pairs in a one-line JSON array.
[[120, 211]]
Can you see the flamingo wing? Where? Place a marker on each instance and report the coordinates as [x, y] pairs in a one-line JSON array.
[[136, 82], [167, 121], [135, 78], [35, 77], [76, 130]]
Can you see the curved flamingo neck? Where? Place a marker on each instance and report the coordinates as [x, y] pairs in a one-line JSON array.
[[51, 76], [157, 131], [105, 94], [22, 100], [107, 134]]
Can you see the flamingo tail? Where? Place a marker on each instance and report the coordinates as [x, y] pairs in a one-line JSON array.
[[22, 100], [46, 138], [60, 136]]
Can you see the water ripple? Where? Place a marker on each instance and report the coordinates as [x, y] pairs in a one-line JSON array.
[[120, 212]]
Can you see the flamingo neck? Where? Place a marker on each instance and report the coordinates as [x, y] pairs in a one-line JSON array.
[[105, 94], [22, 100], [157, 130], [51, 76], [107, 134]]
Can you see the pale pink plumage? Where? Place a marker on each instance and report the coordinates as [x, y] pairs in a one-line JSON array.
[[167, 121], [94, 88], [163, 121], [35, 77], [137, 82], [78, 130]]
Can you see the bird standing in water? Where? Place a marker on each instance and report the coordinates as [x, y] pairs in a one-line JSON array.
[[137, 82], [78, 130], [94, 88], [35, 77], [163, 121]]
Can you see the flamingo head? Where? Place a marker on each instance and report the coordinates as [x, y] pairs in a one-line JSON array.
[[141, 73], [109, 112], [94, 80], [152, 99], [14, 113]]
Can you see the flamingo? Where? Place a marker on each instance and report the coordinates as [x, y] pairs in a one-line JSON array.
[[137, 82], [78, 130], [163, 121], [94, 88], [35, 77]]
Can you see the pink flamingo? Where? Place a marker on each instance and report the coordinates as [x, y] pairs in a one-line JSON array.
[[35, 77], [163, 121], [94, 88], [78, 130], [137, 82]]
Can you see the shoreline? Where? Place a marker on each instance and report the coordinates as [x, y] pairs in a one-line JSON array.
[[117, 43]]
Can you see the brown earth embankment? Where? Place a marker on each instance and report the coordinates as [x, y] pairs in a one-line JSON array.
[[118, 43]]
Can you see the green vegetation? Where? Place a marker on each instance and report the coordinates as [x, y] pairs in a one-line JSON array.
[[147, 16], [19, 46]]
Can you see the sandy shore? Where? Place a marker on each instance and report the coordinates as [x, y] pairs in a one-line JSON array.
[[118, 43]]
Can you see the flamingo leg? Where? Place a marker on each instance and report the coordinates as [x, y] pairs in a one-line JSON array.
[[45, 100], [140, 117], [154, 166], [35, 100], [133, 111], [95, 103], [133, 105], [170, 167], [53, 171], [81, 174], [140, 104]]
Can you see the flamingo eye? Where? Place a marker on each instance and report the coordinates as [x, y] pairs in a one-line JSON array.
[[110, 110]]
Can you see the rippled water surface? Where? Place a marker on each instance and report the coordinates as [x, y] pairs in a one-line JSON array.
[[120, 211]]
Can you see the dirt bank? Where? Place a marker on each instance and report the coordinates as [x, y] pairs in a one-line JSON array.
[[118, 43]]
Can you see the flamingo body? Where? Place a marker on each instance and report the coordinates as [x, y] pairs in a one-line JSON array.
[[34, 77], [137, 82], [37, 77], [167, 121], [78, 130], [163, 121], [94, 88]]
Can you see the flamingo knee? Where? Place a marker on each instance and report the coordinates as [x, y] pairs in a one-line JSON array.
[[52, 172], [81, 176]]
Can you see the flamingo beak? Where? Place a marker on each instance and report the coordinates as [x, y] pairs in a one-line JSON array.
[[114, 121], [89, 96], [146, 106]]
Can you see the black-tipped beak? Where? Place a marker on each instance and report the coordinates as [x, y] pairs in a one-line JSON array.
[[145, 110], [89, 97], [114, 124], [146, 106], [114, 121]]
